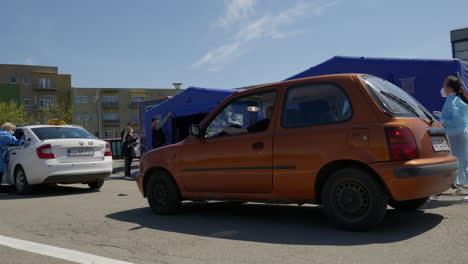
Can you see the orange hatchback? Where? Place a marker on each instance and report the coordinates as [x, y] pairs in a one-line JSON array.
[[353, 143]]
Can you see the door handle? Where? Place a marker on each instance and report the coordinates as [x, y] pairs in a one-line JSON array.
[[257, 145], [13, 153]]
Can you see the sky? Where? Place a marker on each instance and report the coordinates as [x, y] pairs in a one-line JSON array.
[[217, 43]]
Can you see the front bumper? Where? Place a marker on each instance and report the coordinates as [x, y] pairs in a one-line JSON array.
[[139, 181], [413, 180]]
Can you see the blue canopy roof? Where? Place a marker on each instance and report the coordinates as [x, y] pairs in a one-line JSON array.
[[422, 78], [191, 101]]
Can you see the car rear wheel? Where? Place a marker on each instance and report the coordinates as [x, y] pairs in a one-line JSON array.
[[354, 200], [408, 205], [96, 185], [163, 194], [21, 182]]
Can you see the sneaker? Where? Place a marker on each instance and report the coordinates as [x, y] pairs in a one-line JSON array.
[[127, 178]]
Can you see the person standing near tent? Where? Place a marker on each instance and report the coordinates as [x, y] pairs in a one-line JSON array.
[[6, 138], [158, 138], [454, 118], [128, 150]]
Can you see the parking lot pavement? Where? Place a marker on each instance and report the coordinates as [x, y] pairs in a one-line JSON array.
[[117, 223]]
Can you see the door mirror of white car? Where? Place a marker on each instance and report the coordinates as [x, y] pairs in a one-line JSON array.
[[438, 114]]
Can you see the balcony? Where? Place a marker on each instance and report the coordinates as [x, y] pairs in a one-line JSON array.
[[44, 88], [111, 122], [133, 104], [110, 104]]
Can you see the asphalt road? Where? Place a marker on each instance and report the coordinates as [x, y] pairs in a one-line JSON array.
[[117, 223]]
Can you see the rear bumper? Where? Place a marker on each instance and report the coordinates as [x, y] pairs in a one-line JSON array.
[[417, 179], [80, 178]]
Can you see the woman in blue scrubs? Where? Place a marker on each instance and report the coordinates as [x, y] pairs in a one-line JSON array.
[[455, 121]]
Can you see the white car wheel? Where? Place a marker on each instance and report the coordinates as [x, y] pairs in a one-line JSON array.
[[21, 182]]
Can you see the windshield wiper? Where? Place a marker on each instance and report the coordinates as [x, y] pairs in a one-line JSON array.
[[401, 101]]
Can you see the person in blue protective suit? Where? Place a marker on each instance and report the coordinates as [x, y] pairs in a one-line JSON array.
[[6, 138], [454, 118]]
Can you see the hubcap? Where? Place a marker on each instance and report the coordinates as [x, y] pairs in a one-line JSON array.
[[19, 180], [351, 199], [160, 193]]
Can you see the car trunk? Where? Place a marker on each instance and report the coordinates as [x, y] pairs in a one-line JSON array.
[[77, 150]]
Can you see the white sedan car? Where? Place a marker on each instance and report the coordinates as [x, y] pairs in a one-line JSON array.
[[62, 154]]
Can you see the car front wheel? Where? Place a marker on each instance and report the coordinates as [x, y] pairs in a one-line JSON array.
[[354, 200], [163, 194]]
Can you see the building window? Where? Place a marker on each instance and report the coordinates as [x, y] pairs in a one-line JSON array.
[[136, 99], [27, 102], [45, 103], [13, 79], [110, 99], [81, 99], [44, 83], [82, 116], [111, 116], [25, 80]]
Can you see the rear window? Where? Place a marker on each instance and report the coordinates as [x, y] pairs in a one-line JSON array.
[[394, 100], [44, 133]]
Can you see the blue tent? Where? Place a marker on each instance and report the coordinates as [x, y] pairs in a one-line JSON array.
[[422, 78], [187, 107]]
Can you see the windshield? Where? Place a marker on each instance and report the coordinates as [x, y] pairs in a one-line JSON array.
[[44, 133], [394, 100]]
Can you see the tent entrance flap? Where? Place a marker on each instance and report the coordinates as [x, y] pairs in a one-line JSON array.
[[181, 125]]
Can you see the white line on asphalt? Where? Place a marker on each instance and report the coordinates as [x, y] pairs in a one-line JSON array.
[[56, 252]]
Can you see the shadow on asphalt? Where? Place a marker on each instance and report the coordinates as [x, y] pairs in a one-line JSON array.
[[121, 169], [9, 192], [432, 204], [277, 224]]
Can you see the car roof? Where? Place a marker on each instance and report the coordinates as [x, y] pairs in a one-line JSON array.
[[40, 126]]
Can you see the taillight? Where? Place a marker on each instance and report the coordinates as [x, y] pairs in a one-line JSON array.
[[401, 143], [108, 151], [45, 152]]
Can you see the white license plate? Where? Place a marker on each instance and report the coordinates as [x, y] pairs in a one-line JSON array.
[[80, 152], [440, 144]]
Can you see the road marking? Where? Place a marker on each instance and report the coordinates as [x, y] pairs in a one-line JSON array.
[[57, 252]]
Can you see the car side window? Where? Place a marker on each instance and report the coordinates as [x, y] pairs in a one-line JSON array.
[[314, 104], [248, 114], [19, 134]]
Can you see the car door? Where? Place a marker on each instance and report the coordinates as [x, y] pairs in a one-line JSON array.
[[17, 154], [234, 154]]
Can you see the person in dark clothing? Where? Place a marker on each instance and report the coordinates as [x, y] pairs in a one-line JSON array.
[[128, 150], [158, 138]]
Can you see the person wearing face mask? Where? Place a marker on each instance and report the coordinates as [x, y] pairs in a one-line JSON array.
[[158, 138], [454, 118], [128, 150], [6, 138]]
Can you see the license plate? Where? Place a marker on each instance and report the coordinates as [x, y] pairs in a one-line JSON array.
[[440, 144], [80, 152]]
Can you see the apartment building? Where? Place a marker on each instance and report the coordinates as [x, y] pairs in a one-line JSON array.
[[459, 39], [34, 86], [105, 111]]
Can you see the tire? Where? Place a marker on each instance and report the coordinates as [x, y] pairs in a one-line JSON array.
[[354, 200], [21, 181], [96, 185], [408, 205], [163, 194]]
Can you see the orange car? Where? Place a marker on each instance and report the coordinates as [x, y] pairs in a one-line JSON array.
[[353, 143]]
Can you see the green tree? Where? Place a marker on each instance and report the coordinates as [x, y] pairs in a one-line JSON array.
[[13, 113], [58, 111]]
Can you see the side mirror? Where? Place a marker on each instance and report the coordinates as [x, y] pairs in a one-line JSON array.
[[194, 130]]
